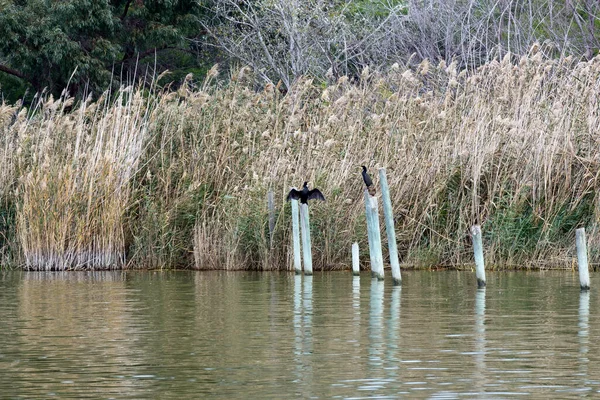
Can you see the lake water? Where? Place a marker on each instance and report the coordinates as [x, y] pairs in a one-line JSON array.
[[275, 335]]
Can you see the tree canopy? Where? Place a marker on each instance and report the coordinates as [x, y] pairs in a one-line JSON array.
[[86, 44], [89, 44]]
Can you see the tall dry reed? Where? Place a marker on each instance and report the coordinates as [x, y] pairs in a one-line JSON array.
[[180, 179], [74, 185]]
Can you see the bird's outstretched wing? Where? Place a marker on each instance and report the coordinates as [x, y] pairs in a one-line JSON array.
[[293, 195], [315, 194]]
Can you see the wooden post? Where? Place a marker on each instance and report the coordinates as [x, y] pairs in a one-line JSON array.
[[271, 205], [478, 251], [389, 227], [370, 236], [374, 236], [355, 260], [296, 237], [582, 259], [305, 229]]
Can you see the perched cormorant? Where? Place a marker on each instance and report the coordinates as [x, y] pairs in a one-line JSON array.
[[304, 195], [368, 181]]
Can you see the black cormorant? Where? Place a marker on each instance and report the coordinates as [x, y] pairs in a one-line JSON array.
[[304, 195], [368, 181]]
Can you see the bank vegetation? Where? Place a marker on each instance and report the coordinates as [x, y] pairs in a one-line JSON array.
[[149, 178]]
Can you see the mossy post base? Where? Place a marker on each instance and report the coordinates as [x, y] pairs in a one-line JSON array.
[[582, 259], [478, 252], [305, 229], [389, 227], [296, 237], [371, 209], [355, 260]]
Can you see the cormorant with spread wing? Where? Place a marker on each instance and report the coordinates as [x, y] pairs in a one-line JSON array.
[[304, 195]]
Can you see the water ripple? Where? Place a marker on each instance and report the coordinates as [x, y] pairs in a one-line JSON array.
[[277, 335]]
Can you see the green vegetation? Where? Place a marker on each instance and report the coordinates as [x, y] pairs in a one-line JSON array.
[[164, 179], [87, 45]]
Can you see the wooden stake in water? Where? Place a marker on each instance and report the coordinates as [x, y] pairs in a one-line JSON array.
[[389, 227], [370, 235], [374, 235], [305, 229], [296, 237], [271, 205], [355, 260], [478, 251], [582, 259]]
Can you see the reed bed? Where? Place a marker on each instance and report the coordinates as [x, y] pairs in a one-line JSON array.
[[75, 180], [179, 179]]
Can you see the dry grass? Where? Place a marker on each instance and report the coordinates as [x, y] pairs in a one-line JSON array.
[[180, 179], [74, 181]]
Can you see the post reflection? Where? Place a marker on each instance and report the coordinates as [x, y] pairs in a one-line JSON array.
[[297, 315], [480, 339], [393, 334], [583, 332], [394, 322], [303, 341], [376, 323], [307, 308], [356, 301]]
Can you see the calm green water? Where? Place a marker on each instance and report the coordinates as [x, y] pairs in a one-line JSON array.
[[276, 335]]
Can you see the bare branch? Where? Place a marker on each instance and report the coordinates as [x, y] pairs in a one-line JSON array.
[[13, 72]]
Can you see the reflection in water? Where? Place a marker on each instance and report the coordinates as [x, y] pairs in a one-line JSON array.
[[307, 308], [298, 372], [303, 314], [298, 313], [276, 335], [65, 323], [80, 276], [356, 314], [356, 297], [393, 333], [376, 323], [480, 339], [376, 380], [303, 335], [583, 333]]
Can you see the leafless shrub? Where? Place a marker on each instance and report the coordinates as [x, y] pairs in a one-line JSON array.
[[286, 39]]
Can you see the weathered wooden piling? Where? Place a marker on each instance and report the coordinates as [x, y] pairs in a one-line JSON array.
[[305, 230], [271, 206], [355, 259], [296, 237], [370, 235], [582, 259], [374, 235], [389, 227], [478, 252]]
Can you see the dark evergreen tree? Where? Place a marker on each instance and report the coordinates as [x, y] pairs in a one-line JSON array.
[[87, 44]]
